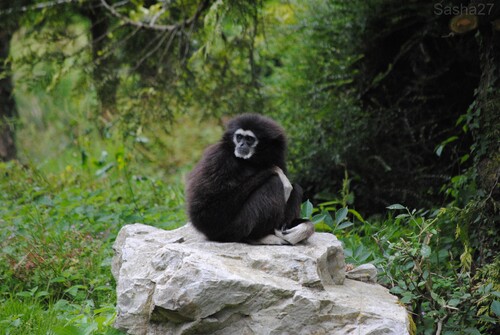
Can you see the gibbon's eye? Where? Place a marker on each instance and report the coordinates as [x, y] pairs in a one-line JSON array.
[[239, 137], [250, 140]]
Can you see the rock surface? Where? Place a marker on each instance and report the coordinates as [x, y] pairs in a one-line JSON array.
[[364, 272], [176, 282]]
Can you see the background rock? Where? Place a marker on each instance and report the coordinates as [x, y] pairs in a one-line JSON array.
[[176, 282], [364, 272]]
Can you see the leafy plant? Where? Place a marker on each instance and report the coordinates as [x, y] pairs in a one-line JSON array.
[[422, 268]]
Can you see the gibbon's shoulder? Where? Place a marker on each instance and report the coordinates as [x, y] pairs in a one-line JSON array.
[[216, 157]]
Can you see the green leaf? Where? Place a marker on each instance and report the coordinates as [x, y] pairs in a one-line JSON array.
[[357, 215], [464, 158], [340, 215], [41, 294], [329, 220], [439, 150], [396, 206], [306, 210], [318, 218], [24, 294], [73, 291], [58, 280], [425, 251], [345, 225], [322, 227], [495, 307], [364, 256], [397, 290], [328, 203], [407, 298], [103, 288], [438, 299]]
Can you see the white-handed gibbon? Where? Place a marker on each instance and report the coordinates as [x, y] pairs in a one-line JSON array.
[[239, 191]]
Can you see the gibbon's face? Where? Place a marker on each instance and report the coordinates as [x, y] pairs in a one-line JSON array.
[[245, 143]]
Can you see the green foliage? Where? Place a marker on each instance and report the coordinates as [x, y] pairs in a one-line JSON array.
[[26, 317], [423, 268], [312, 87], [323, 220], [322, 217], [420, 261], [226, 66], [57, 231], [487, 280]]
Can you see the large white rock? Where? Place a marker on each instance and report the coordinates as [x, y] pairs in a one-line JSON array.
[[176, 282]]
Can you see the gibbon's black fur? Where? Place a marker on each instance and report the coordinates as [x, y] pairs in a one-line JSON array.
[[235, 194]]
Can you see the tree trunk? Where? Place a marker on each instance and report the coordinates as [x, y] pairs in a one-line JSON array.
[[7, 104], [488, 114], [104, 72]]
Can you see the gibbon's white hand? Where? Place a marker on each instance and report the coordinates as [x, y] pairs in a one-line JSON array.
[[287, 186]]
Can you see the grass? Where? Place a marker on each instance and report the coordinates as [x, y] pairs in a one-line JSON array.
[[56, 233], [22, 317]]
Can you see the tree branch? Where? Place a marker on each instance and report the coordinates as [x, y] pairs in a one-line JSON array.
[[41, 5], [152, 25]]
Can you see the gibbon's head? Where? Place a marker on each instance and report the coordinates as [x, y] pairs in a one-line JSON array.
[[245, 143], [256, 138]]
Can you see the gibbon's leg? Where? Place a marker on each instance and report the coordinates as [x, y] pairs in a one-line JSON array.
[[259, 214], [258, 211], [248, 207], [233, 198], [294, 229]]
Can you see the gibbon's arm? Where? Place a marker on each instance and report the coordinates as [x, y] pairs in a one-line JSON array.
[[246, 188], [228, 190]]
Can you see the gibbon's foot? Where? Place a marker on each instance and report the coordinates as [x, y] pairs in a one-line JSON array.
[[291, 236], [298, 233], [270, 239]]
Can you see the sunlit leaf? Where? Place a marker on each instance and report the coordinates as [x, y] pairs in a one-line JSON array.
[[306, 209], [396, 206]]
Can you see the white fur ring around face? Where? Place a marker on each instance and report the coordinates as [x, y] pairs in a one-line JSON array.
[[287, 186]]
